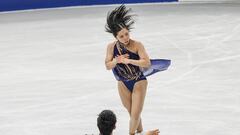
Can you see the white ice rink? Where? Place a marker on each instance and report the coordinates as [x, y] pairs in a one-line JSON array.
[[53, 79]]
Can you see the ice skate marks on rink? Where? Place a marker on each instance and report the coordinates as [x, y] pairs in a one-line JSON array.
[[53, 79]]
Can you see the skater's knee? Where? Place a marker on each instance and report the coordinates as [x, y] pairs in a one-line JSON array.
[[135, 116]]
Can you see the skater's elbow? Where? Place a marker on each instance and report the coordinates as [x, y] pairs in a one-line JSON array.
[[108, 67], [147, 64]]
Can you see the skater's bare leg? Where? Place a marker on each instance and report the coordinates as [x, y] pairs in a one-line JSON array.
[[126, 98], [138, 96]]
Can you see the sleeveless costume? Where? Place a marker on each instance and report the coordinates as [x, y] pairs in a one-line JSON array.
[[130, 74]]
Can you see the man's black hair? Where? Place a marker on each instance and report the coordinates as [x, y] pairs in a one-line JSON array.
[[106, 122]]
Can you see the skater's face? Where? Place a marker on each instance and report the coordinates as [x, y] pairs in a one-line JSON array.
[[123, 36]]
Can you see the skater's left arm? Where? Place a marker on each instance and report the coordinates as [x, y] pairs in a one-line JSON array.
[[144, 60]]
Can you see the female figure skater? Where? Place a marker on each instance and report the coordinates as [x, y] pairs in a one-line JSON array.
[[130, 64]]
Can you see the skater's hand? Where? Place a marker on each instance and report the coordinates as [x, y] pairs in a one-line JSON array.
[[122, 59], [125, 61]]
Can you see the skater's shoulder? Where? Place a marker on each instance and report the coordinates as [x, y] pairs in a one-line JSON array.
[[111, 44], [137, 43]]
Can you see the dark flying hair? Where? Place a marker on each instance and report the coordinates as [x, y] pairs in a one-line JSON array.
[[106, 122], [119, 18]]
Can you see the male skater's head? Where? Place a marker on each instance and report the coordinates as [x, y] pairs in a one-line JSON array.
[[106, 122]]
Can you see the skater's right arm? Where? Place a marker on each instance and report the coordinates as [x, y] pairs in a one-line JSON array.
[[110, 62]]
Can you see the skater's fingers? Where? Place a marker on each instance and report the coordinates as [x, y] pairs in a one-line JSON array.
[[156, 131]]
